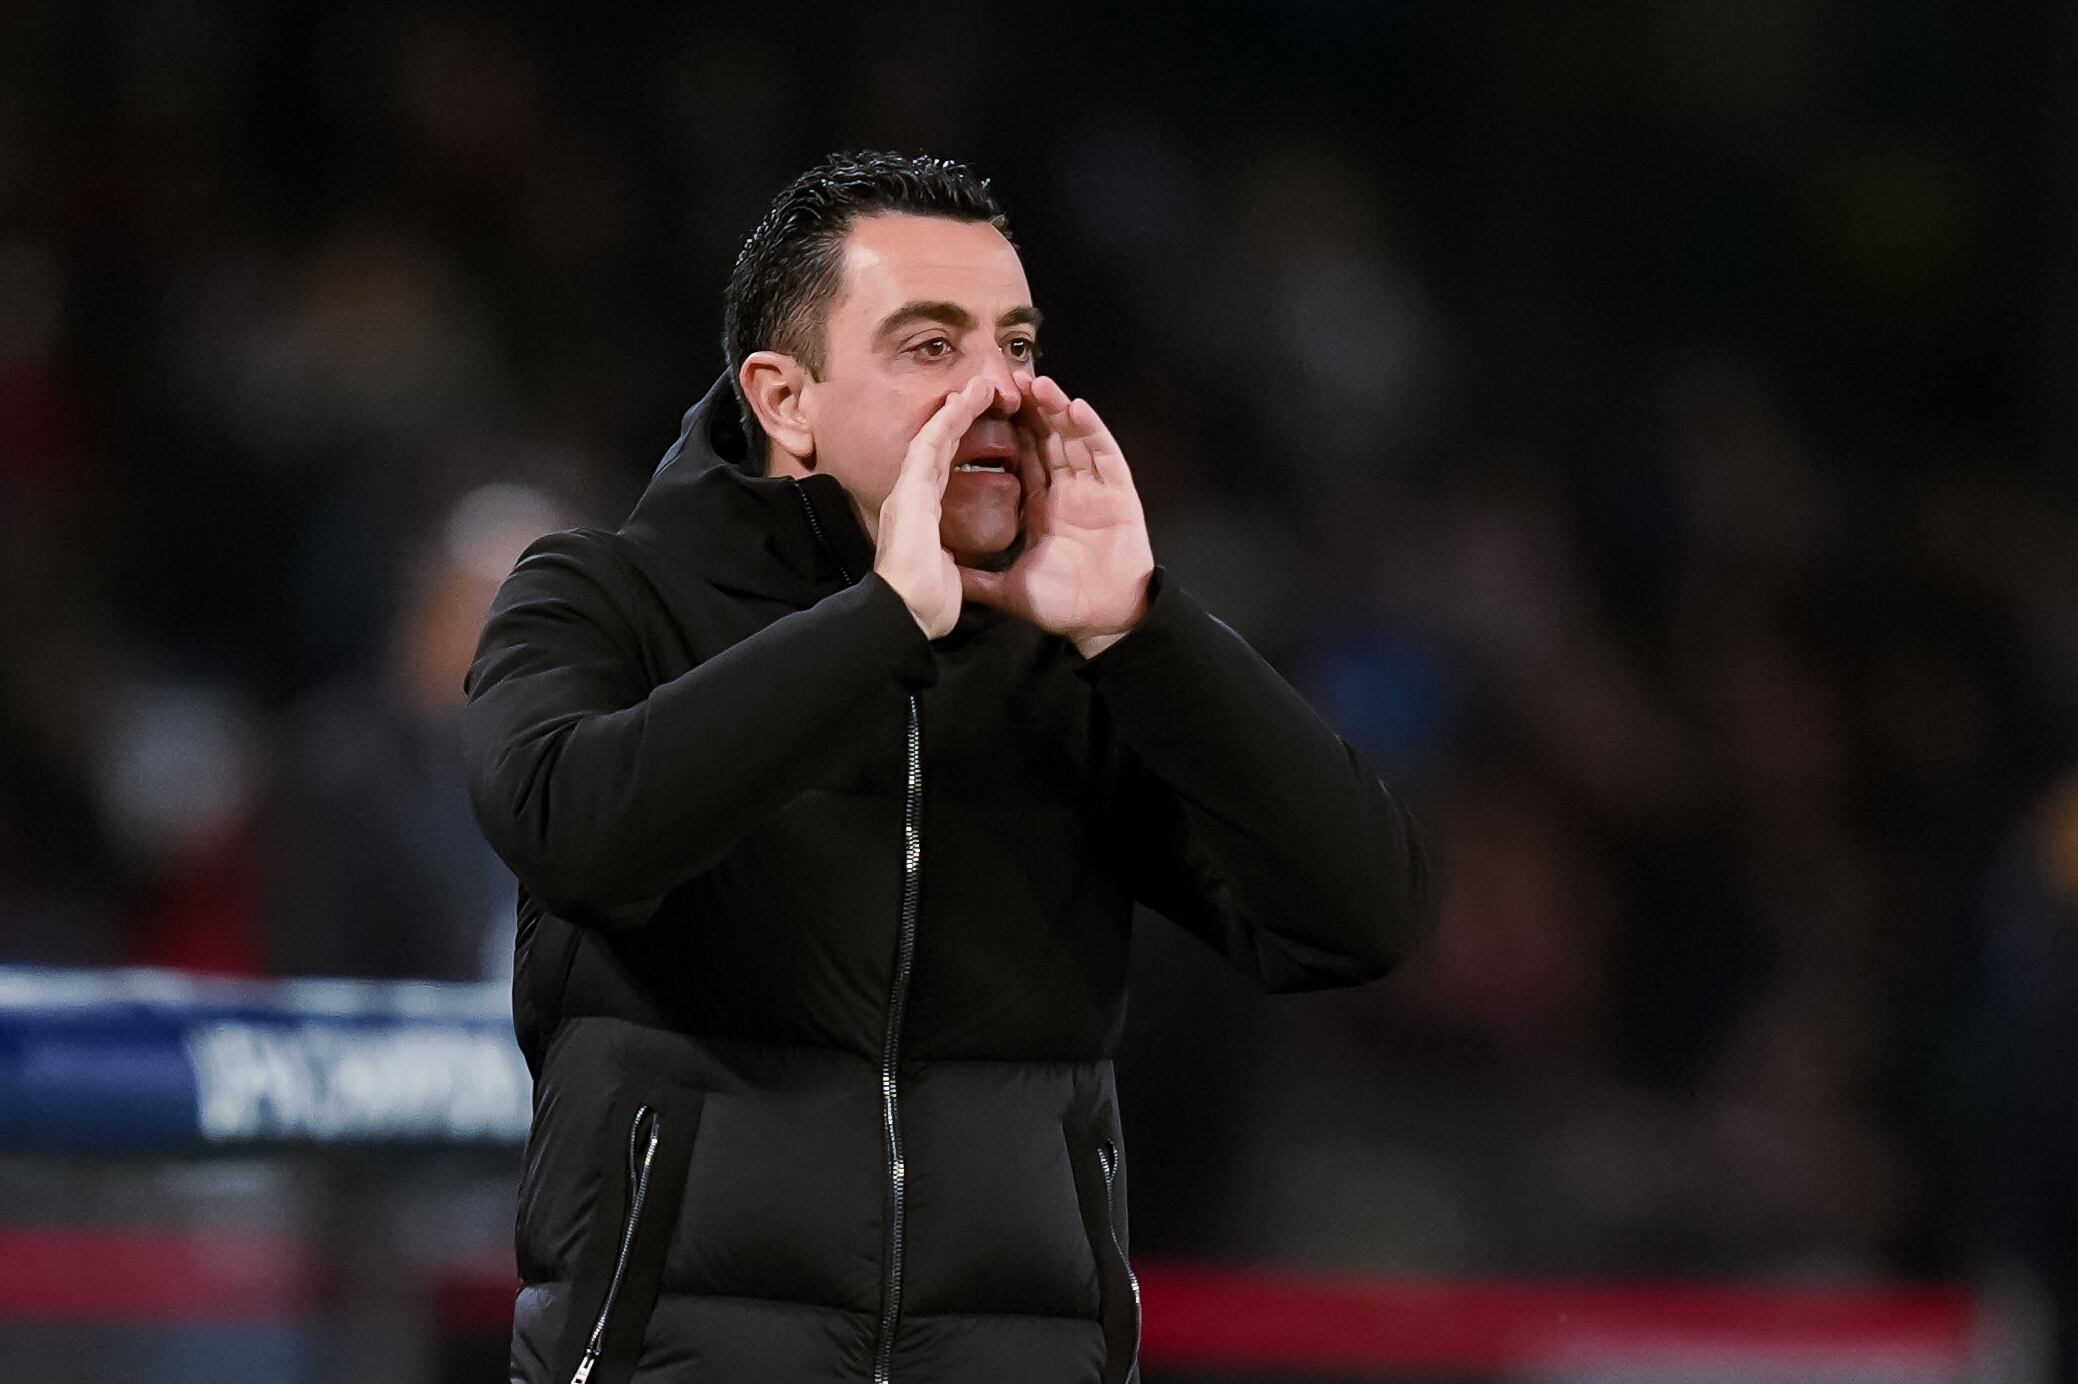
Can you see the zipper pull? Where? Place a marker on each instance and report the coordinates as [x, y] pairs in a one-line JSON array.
[[584, 1366]]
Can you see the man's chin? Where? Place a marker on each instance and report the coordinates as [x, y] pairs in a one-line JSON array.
[[986, 553]]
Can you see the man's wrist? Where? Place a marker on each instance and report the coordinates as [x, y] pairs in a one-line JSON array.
[[1090, 645]]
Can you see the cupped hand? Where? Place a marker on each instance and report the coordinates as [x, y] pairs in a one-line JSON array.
[[908, 552], [1086, 561]]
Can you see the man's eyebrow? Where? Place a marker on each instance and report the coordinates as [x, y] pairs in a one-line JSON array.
[[909, 314], [951, 315]]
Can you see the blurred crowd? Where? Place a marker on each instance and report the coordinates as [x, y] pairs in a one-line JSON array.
[[1634, 431]]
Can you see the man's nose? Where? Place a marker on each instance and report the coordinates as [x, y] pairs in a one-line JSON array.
[[997, 372]]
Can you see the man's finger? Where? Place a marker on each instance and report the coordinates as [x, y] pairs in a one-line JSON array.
[[1050, 395], [1049, 421], [941, 433], [1031, 465], [1030, 426], [929, 460], [1072, 427], [1106, 457], [1045, 398]]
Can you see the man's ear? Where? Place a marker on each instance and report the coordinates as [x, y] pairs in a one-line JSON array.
[[773, 383]]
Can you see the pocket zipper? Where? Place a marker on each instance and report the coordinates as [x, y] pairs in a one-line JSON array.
[[1107, 1154], [638, 1181]]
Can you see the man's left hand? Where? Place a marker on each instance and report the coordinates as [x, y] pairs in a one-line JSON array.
[[1084, 569]]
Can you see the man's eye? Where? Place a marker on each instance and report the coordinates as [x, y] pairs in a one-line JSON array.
[[937, 348], [1022, 348]]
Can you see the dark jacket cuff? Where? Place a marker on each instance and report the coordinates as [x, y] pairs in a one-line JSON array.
[[1174, 627], [886, 624]]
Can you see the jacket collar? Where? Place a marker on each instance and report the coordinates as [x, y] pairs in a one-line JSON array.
[[706, 511]]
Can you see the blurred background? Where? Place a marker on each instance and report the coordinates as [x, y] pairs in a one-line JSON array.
[[1647, 431]]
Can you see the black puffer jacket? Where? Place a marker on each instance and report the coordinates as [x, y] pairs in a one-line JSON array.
[[823, 933]]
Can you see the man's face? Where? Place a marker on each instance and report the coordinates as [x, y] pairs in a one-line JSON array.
[[924, 305]]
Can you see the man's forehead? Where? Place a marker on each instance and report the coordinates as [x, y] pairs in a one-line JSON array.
[[894, 259]]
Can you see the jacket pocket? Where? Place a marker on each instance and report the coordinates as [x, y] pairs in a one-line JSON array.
[[1099, 1190], [647, 1148]]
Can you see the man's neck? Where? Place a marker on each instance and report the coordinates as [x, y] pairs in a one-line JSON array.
[[783, 463]]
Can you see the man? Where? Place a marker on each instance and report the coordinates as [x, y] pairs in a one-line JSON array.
[[831, 779]]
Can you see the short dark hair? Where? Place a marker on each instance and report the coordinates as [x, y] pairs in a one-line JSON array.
[[788, 270]]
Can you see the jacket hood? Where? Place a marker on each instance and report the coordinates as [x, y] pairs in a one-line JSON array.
[[705, 510]]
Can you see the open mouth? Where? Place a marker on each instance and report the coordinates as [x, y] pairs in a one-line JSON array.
[[989, 450]]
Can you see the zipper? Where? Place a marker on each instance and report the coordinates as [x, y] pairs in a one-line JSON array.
[[898, 994], [890, 1092], [1107, 1154], [641, 1154], [815, 526]]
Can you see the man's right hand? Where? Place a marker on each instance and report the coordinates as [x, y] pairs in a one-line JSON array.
[[908, 553]]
